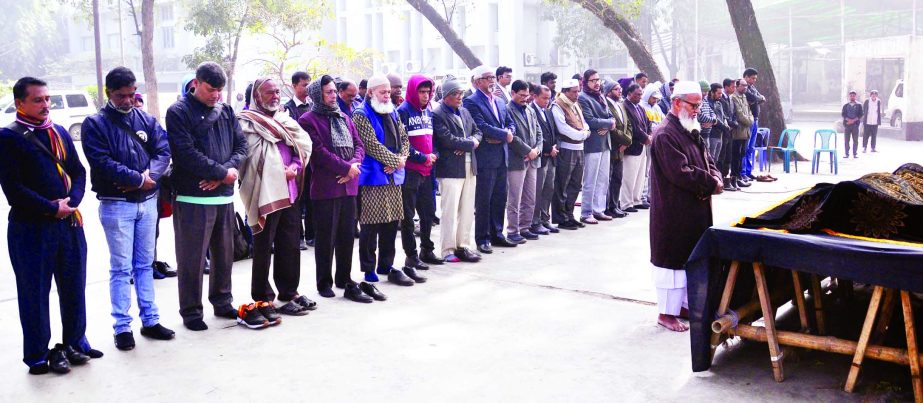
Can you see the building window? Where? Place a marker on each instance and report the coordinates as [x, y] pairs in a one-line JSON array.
[[167, 37], [166, 12]]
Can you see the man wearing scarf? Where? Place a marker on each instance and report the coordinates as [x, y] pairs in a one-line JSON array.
[[596, 149], [573, 131], [272, 184], [43, 180], [337, 152], [683, 179], [208, 147], [417, 190], [387, 147], [128, 153]]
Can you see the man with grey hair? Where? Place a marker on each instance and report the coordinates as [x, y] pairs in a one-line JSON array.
[[456, 137], [573, 130], [683, 179]]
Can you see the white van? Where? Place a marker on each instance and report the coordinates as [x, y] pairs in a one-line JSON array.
[[68, 109], [897, 105]]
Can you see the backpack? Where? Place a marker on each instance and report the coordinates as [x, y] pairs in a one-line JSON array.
[[243, 244]]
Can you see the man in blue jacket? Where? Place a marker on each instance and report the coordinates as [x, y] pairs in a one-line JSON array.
[[128, 153], [44, 182], [493, 120], [208, 146]]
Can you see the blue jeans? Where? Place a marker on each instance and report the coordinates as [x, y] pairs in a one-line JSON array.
[[747, 163], [130, 229]]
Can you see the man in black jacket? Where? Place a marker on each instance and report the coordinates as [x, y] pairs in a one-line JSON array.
[[208, 146], [730, 113], [633, 175], [455, 137], [128, 153], [544, 179], [852, 116]]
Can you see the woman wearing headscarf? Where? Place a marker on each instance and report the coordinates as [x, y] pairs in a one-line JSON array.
[[335, 160]]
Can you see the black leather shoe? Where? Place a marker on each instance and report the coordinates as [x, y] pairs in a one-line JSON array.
[[414, 262], [568, 225], [618, 214], [410, 272], [227, 312], [630, 210], [551, 228], [75, 357], [503, 242], [353, 293], [398, 277], [125, 341], [528, 235], [371, 291], [538, 230], [57, 361], [39, 369], [158, 332], [467, 256], [578, 224], [643, 206], [429, 257], [485, 248]]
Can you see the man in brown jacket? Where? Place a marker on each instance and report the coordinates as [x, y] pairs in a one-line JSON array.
[[683, 178]]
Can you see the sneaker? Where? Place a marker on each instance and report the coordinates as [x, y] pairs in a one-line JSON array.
[[451, 258], [371, 277], [125, 341], [268, 310], [249, 315]]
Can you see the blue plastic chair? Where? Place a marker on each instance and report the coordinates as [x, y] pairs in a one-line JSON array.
[[787, 148], [827, 145], [760, 147]]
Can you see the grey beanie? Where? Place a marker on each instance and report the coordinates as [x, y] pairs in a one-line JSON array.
[[451, 85]]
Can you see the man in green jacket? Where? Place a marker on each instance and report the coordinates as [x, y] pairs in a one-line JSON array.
[[621, 139], [741, 134]]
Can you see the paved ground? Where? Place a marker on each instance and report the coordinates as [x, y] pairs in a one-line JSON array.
[[566, 318]]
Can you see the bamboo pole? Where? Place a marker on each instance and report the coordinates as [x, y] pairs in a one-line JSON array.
[[828, 344], [769, 317], [884, 319], [725, 301], [864, 336], [912, 347], [745, 312], [799, 302], [818, 304]]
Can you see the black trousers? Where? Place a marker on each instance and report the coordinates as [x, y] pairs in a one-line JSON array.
[[306, 207], [383, 236], [489, 204], [334, 221], [417, 194], [738, 151], [280, 237], [852, 131], [870, 131], [40, 252], [568, 181], [201, 229], [615, 183], [724, 157]]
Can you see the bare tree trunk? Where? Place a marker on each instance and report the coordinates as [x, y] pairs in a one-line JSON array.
[[147, 57], [627, 32], [232, 63], [99, 57], [754, 53], [457, 44]]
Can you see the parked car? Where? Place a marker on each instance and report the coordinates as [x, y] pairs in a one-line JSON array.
[[897, 105], [68, 109]]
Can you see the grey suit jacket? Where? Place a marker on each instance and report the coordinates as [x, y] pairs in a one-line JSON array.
[[454, 133], [528, 135]]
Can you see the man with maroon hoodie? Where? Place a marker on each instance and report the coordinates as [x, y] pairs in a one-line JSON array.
[[417, 190]]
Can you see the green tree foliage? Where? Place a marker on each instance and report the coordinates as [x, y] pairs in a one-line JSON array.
[[289, 27], [223, 22], [32, 40]]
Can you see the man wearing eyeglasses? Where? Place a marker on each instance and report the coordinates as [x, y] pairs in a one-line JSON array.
[[492, 118], [683, 179]]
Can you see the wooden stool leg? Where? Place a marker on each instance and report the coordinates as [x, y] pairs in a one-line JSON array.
[[818, 304], [725, 301], [912, 347], [884, 318], [863, 340], [769, 317], [799, 302]]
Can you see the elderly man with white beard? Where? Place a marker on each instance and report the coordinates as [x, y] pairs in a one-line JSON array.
[[683, 179], [272, 184]]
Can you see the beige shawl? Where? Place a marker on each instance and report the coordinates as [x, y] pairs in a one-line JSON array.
[[264, 188]]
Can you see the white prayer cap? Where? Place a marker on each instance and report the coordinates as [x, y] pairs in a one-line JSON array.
[[377, 80], [570, 83], [686, 88], [479, 71]]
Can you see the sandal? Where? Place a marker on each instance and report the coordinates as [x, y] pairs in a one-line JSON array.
[[305, 302], [294, 309]]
